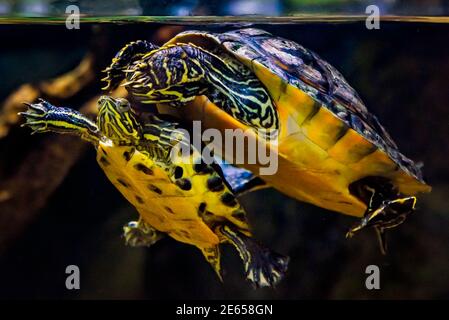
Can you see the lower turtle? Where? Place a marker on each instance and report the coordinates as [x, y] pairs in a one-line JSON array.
[[175, 193]]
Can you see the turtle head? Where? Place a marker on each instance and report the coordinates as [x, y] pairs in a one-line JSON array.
[[130, 53], [117, 121], [173, 74]]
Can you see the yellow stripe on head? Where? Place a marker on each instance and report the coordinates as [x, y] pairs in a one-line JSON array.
[[117, 121]]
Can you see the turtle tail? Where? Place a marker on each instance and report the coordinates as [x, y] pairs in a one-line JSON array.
[[133, 51]]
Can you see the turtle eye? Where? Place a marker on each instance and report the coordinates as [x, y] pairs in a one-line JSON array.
[[123, 104]]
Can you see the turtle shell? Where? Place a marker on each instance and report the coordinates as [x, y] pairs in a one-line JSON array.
[[315, 103]]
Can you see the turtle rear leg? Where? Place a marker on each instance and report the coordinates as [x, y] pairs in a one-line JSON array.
[[388, 215], [263, 267], [140, 234]]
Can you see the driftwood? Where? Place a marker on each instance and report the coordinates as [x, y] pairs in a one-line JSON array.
[[43, 167], [62, 88], [45, 160]]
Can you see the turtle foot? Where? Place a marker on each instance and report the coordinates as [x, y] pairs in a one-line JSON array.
[[266, 267], [263, 267], [38, 115]]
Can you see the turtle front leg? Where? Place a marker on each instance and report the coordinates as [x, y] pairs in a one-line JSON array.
[[45, 117], [263, 267], [140, 234]]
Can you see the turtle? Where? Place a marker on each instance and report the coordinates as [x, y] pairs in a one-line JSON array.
[[331, 151], [175, 192]]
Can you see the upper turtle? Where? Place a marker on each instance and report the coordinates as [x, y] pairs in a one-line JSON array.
[[331, 151], [305, 70]]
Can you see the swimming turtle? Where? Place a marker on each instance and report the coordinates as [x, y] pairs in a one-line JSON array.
[[331, 151], [175, 193]]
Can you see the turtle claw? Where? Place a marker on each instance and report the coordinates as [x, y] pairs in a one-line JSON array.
[[351, 232], [42, 116], [36, 116], [37, 110], [266, 268], [30, 115], [35, 131], [390, 214], [36, 126], [263, 267]]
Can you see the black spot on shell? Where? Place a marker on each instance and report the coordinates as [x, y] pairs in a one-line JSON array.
[[128, 154], [104, 161], [140, 200], [202, 168], [202, 207], [123, 183], [143, 168], [215, 184], [178, 172], [228, 199], [184, 184], [341, 132], [154, 189], [239, 215], [169, 210]]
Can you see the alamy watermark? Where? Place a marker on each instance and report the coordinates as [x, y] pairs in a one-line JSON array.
[[73, 19], [72, 282], [373, 19], [237, 146], [372, 282]]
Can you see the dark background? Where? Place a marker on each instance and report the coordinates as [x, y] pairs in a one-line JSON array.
[[400, 71]]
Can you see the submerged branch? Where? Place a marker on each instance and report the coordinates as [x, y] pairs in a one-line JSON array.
[[26, 187]]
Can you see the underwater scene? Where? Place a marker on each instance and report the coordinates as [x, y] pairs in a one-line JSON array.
[[105, 192]]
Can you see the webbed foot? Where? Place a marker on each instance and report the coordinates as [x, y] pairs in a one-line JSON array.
[[38, 115], [263, 267], [390, 214]]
